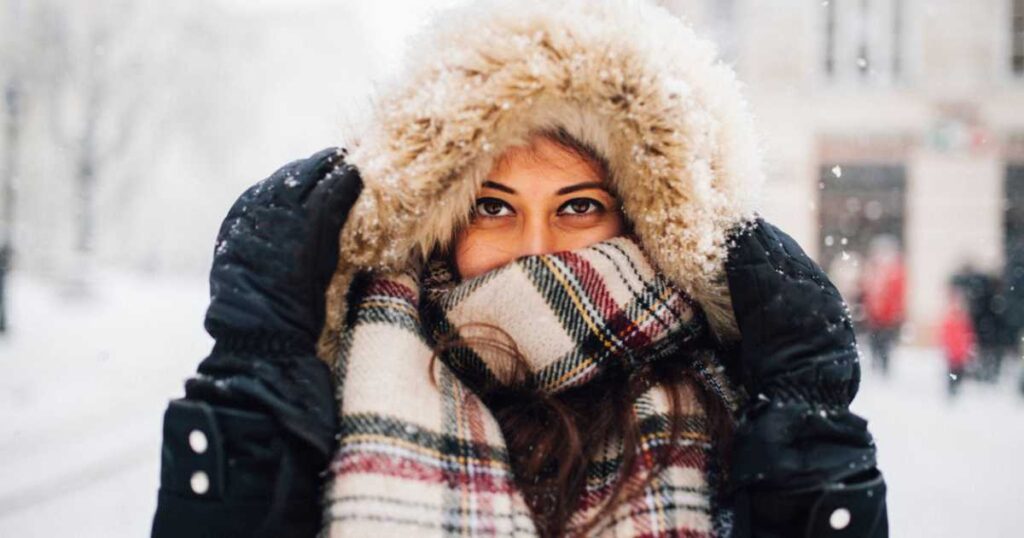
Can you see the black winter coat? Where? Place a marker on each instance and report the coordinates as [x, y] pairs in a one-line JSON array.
[[233, 467], [249, 485]]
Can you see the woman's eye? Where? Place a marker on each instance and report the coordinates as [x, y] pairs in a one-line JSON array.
[[581, 206], [492, 207]]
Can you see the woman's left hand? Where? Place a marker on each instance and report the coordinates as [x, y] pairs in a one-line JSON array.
[[796, 331], [799, 454]]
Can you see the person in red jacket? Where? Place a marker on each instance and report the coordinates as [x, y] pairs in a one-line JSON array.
[[957, 338], [883, 288]]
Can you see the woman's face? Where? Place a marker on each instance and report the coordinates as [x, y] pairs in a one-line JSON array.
[[538, 199]]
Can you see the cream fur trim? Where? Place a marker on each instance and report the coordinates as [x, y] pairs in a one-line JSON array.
[[626, 77]]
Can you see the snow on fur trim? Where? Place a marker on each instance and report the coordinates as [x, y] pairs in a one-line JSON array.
[[626, 77]]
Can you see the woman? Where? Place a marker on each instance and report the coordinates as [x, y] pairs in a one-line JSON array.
[[550, 312]]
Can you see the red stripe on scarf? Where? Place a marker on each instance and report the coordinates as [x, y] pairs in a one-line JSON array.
[[410, 469]]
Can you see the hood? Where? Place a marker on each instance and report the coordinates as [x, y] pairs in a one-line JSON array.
[[626, 77]]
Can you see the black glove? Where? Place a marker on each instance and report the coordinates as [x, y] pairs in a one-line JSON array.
[[796, 440], [244, 452], [275, 254]]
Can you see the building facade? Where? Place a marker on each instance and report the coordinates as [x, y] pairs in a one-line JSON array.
[[897, 117]]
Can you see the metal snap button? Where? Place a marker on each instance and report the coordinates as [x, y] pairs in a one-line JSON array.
[[839, 519], [200, 482], [197, 441]]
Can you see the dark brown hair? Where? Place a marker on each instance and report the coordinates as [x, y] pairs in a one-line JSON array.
[[552, 438]]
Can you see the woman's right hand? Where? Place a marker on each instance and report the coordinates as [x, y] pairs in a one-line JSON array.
[[277, 250], [274, 257], [243, 452]]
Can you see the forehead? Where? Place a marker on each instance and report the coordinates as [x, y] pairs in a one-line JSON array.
[[543, 164]]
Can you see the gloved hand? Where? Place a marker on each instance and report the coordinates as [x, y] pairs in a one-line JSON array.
[[796, 440], [244, 452], [797, 339], [275, 254]]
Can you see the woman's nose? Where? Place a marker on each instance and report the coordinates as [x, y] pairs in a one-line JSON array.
[[537, 238]]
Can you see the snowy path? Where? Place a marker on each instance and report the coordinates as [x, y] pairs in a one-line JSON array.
[[83, 387], [953, 468]]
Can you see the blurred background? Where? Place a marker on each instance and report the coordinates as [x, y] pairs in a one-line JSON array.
[[894, 140]]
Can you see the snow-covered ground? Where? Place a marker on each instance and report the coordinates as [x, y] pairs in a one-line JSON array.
[[83, 384], [953, 467]]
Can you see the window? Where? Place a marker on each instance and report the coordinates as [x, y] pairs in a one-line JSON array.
[[1017, 38], [864, 40], [1013, 217], [859, 201], [1013, 236]]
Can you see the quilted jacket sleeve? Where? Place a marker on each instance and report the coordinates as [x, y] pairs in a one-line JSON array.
[[802, 463]]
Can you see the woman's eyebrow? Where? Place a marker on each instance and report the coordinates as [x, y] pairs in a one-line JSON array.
[[580, 187], [499, 187]]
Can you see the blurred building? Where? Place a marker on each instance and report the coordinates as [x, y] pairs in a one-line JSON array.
[[902, 117]]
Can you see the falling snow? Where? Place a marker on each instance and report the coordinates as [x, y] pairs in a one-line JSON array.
[[121, 359], [81, 412]]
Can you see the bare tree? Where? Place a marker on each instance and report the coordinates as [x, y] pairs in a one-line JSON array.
[[124, 103], [94, 95], [13, 98]]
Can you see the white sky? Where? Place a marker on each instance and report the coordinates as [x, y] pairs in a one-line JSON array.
[[388, 22], [393, 20]]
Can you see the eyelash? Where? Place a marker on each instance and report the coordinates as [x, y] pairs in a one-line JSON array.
[[597, 207], [481, 201]]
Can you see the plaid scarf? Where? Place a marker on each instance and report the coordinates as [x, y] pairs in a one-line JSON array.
[[425, 457]]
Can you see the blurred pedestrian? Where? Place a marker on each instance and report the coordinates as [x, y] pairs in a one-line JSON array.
[[990, 317], [882, 290], [957, 337], [1005, 335]]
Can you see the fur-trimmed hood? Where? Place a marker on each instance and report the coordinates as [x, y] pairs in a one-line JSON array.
[[626, 77]]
